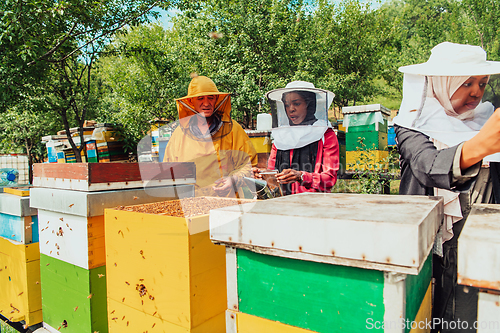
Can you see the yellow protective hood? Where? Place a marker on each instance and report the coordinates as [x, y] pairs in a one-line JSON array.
[[202, 86]]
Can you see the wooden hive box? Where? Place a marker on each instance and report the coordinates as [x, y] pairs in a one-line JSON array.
[[112, 176], [18, 221], [479, 262], [72, 247], [328, 262], [73, 297], [163, 272], [361, 160], [261, 141], [362, 118], [20, 294], [370, 139]]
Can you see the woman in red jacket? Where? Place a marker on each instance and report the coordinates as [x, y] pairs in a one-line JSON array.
[[305, 149]]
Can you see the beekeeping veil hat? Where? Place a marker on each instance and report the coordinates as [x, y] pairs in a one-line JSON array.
[[203, 86], [428, 87], [289, 136]]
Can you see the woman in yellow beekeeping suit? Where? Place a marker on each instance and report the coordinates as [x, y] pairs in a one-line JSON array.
[[207, 136]]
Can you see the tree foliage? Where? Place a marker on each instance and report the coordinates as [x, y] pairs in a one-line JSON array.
[[74, 60], [50, 47]]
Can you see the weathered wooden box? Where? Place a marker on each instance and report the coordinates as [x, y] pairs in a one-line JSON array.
[[110, 176], [20, 294], [17, 220], [163, 272], [328, 262], [479, 262]]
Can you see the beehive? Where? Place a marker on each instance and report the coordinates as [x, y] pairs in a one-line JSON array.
[[364, 118], [112, 176], [261, 141], [328, 262], [479, 260], [72, 242], [20, 295], [366, 140], [17, 220], [163, 272], [362, 160]]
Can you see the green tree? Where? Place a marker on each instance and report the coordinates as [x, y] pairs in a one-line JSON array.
[[346, 45], [140, 75], [51, 47], [246, 47]]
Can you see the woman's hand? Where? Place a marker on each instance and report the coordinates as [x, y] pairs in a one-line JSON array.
[[484, 143], [256, 173], [288, 176]]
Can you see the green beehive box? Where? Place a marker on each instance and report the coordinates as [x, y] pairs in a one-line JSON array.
[[362, 118], [73, 296], [380, 127], [371, 140]]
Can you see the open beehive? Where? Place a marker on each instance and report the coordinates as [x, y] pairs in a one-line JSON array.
[[163, 272]]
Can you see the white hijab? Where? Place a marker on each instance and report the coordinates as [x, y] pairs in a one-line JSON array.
[[426, 108]]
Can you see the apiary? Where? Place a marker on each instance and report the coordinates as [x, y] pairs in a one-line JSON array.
[[479, 262], [20, 293], [71, 232], [163, 272], [328, 262]]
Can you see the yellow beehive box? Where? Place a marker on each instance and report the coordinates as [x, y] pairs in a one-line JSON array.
[[20, 295], [163, 272], [370, 159]]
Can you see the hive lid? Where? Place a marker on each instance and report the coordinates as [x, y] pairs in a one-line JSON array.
[[479, 248], [366, 108], [384, 232], [16, 205], [112, 176]]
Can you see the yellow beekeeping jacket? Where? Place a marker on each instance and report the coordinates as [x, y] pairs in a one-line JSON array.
[[232, 154], [228, 152]]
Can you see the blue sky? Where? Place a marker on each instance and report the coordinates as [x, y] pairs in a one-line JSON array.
[[164, 18]]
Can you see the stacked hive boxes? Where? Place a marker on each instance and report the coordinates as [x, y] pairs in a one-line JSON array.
[[163, 272], [102, 144], [327, 269], [108, 144], [71, 200], [261, 141], [366, 135], [20, 293], [479, 262]]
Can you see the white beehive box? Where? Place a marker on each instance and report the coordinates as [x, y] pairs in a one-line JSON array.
[[390, 233], [479, 262]]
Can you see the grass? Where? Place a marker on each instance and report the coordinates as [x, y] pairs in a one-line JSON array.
[[353, 186], [4, 328]]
